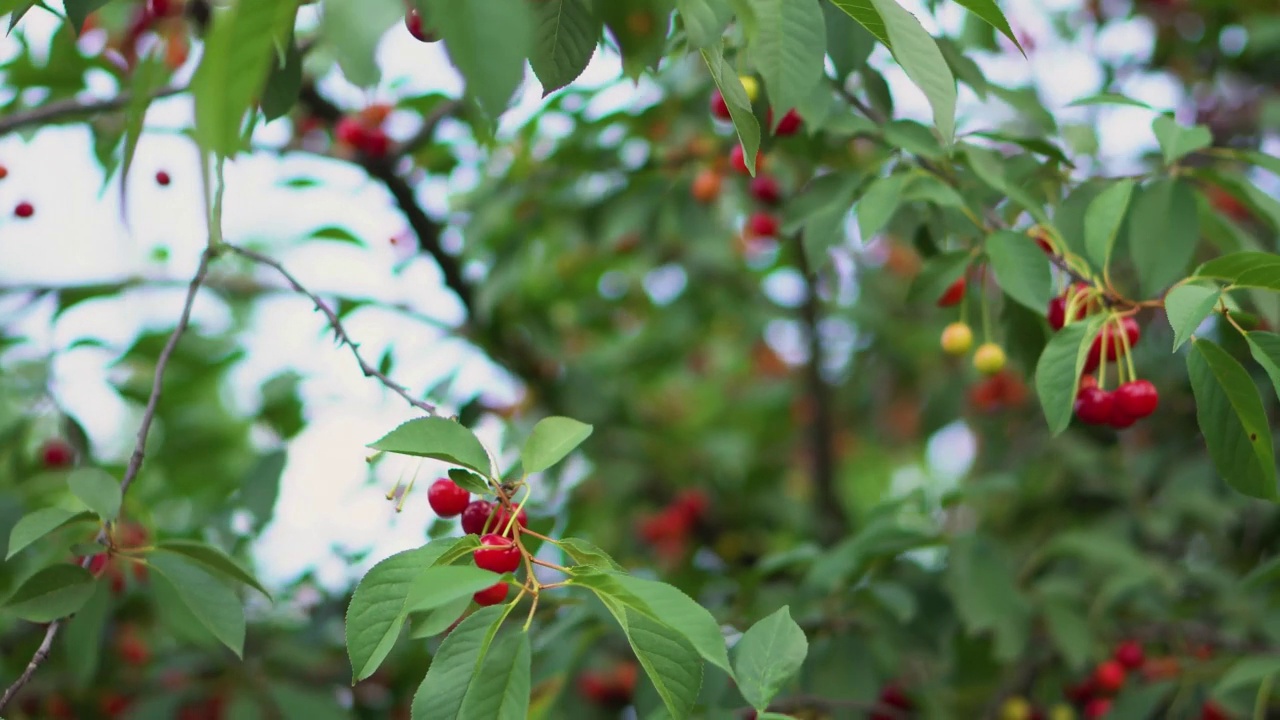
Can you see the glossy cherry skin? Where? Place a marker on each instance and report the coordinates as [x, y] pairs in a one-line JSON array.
[[1109, 675], [446, 498], [953, 294], [765, 189], [497, 554], [719, 108], [475, 515], [24, 209], [1138, 398], [1129, 653], [491, 595], [762, 224], [789, 124], [1094, 405]]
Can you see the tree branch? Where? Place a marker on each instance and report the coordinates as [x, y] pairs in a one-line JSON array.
[[833, 522], [135, 461], [59, 110], [336, 324]]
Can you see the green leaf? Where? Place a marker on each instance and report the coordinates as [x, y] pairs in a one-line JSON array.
[[1270, 163], [380, 603], [990, 166], [213, 559], [97, 490], [150, 74], [865, 12], [1265, 348], [789, 48], [353, 28], [438, 586], [1021, 269], [39, 523], [985, 591], [437, 438], [1070, 633], [879, 202], [430, 623], [937, 274], [233, 69], [735, 97], [83, 636], [1058, 372], [283, 84], [453, 669], [565, 33], [78, 11], [848, 43], [501, 686], [769, 654], [1142, 702], [1103, 219], [1176, 141], [488, 41], [1163, 232], [990, 12], [469, 481], [671, 663], [551, 440], [585, 553], [1246, 672], [918, 54], [298, 702], [1245, 269], [210, 601], [52, 593], [1232, 420], [1108, 98], [704, 21], [1186, 307]]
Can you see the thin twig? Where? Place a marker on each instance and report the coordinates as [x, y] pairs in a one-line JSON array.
[[135, 461], [335, 324], [63, 109]]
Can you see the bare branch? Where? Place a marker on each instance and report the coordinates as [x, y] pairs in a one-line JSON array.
[[135, 461], [60, 110], [335, 324]]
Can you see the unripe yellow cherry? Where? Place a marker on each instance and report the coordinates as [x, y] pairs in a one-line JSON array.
[[752, 86], [1062, 712], [989, 358], [957, 339], [1015, 708]]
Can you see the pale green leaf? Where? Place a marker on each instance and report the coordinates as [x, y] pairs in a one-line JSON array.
[[500, 688], [1163, 232], [97, 490], [565, 33], [453, 668], [918, 54], [438, 438], [488, 41], [1177, 141], [35, 525], [1059, 368], [212, 603], [990, 12], [1103, 219], [704, 20], [51, 593], [213, 559], [769, 654], [1186, 306], [1021, 269], [551, 440], [735, 97], [865, 12], [789, 47]]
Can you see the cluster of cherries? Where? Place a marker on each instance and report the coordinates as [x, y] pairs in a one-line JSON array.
[[1094, 695], [957, 338], [612, 688], [669, 530], [363, 131], [1130, 401], [498, 551]]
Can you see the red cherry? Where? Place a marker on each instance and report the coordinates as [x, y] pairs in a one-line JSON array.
[[413, 22], [491, 595], [953, 294], [894, 697], [502, 518], [1109, 675], [1082, 692], [497, 554], [133, 650], [1110, 338], [1088, 381], [162, 178], [719, 108], [1129, 653], [1137, 398], [349, 131], [98, 563], [789, 124], [4, 172], [446, 498], [475, 515], [1119, 418], [1057, 313], [1094, 406], [738, 159], [765, 189], [162, 8], [374, 142], [56, 454], [24, 209], [1097, 708], [1045, 246], [762, 224], [1212, 711]]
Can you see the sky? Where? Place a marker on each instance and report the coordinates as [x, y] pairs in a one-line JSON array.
[[76, 237]]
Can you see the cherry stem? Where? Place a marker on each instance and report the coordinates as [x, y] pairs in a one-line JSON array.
[[553, 566], [532, 608], [532, 533], [1128, 350]]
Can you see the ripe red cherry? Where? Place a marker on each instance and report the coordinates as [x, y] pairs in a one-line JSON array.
[[162, 8], [738, 159], [349, 131], [501, 518], [497, 554], [1212, 711], [719, 108], [1137, 398], [1129, 653], [1109, 675], [953, 294], [1110, 338], [413, 22], [446, 498], [491, 595], [894, 697], [762, 224], [1094, 405], [24, 209], [1097, 708], [4, 172], [56, 454], [789, 124], [765, 189], [475, 515], [374, 142], [1119, 418], [162, 178], [1045, 246]]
